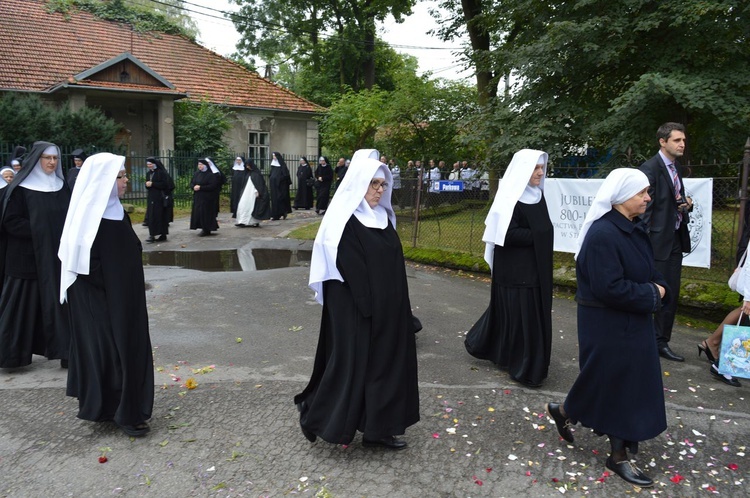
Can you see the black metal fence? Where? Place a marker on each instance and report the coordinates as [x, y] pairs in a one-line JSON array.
[[454, 221]]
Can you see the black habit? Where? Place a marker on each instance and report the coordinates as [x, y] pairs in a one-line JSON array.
[[32, 320], [238, 186], [159, 201], [619, 389], [203, 215], [279, 181], [365, 372], [111, 367], [325, 172], [262, 205], [516, 330], [304, 197]]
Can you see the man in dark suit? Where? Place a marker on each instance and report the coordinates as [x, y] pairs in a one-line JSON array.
[[667, 218]]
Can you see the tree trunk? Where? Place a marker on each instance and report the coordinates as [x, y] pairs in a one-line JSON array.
[[368, 62], [480, 43]]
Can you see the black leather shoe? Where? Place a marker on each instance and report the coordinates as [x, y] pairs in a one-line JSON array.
[[387, 442], [135, 430], [63, 363], [726, 379], [162, 238], [150, 240], [563, 424], [630, 473], [667, 353]]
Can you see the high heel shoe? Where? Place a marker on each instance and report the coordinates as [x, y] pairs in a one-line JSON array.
[[703, 348]]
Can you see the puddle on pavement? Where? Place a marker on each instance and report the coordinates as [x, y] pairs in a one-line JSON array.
[[229, 260]]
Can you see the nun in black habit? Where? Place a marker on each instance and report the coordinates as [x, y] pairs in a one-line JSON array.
[[279, 181], [515, 332], [111, 366], [159, 186], [254, 205], [324, 177], [238, 176], [619, 389], [365, 372], [204, 184], [32, 320], [305, 182]]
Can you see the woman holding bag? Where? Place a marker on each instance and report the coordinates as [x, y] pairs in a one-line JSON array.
[[711, 346]]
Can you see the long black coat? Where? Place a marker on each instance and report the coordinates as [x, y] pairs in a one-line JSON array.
[[323, 186], [279, 181], [365, 372], [619, 389], [204, 213], [159, 207], [304, 197]]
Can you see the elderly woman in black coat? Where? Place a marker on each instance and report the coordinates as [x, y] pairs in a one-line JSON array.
[[619, 390]]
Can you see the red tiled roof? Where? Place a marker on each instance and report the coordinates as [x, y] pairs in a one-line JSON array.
[[40, 50]]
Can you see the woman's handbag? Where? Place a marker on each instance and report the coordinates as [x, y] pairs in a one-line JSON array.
[[734, 355], [733, 280]]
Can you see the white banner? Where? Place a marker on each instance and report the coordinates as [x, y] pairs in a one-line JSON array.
[[569, 199]]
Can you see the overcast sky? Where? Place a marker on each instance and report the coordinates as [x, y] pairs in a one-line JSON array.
[[409, 37]]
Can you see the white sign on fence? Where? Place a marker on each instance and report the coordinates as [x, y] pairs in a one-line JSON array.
[[569, 199]]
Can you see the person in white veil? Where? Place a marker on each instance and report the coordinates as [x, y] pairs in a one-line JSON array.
[[365, 372], [111, 364], [238, 175], [515, 332], [32, 321], [619, 389]]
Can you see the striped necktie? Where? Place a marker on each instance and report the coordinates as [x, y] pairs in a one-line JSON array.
[[677, 195]]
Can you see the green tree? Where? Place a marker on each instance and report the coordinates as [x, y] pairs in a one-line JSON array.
[[293, 31], [419, 118], [606, 74], [200, 127], [324, 85], [27, 118]]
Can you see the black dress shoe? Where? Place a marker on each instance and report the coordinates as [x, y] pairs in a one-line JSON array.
[[630, 473], [387, 442], [667, 353], [135, 430], [563, 424], [150, 240], [162, 238], [63, 363], [726, 379]]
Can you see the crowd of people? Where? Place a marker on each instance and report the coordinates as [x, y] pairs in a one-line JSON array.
[[73, 287]]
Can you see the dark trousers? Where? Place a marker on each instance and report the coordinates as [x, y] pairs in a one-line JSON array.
[[671, 270]]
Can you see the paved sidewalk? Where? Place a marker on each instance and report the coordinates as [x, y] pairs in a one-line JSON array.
[[248, 339]]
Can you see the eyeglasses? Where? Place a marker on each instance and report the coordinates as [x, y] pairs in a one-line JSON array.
[[49, 158], [377, 185], [119, 177]]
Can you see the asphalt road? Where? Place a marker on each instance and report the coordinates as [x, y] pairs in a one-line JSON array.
[[248, 339]]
